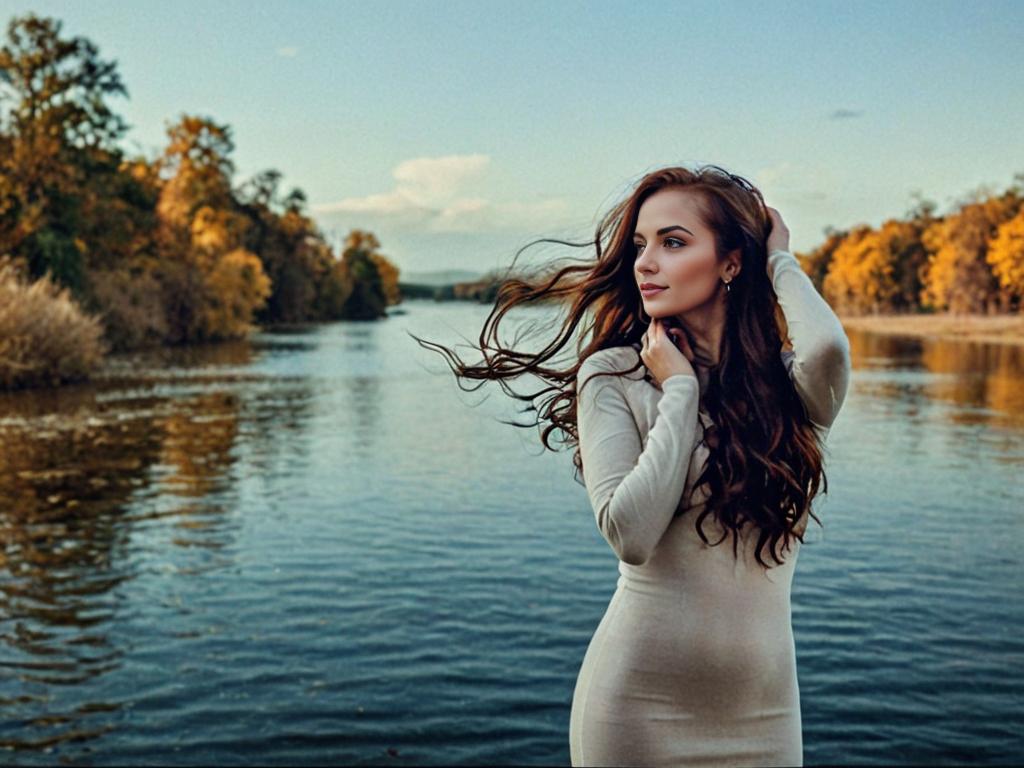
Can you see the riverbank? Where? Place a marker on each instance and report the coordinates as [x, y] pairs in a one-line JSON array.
[[999, 329]]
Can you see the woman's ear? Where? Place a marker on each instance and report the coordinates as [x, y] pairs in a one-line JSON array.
[[734, 264]]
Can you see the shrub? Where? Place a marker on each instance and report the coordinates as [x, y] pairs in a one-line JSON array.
[[130, 306], [45, 337]]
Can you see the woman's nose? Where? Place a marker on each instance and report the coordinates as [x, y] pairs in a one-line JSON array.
[[643, 261]]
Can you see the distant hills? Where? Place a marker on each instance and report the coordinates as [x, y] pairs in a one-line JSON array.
[[440, 277], [451, 285]]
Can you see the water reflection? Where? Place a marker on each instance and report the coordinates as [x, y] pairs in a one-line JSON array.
[[363, 398], [197, 445], [87, 473], [984, 380]]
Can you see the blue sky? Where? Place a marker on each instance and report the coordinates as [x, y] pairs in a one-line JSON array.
[[458, 131]]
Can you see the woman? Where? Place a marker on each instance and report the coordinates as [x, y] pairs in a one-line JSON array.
[[691, 417]]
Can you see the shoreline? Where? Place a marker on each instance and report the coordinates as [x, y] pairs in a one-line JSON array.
[[995, 329]]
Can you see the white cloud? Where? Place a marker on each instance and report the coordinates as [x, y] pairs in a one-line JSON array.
[[429, 195], [482, 216], [433, 181]]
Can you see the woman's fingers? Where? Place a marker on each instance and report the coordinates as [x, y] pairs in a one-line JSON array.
[[659, 331]]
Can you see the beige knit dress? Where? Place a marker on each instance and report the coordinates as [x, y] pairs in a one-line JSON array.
[[693, 662]]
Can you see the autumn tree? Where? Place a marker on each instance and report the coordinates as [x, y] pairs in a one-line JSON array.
[[367, 300], [163, 249], [957, 275], [910, 256], [308, 283], [849, 266], [892, 278], [388, 277], [236, 285], [217, 284], [59, 158], [197, 170], [1006, 256], [816, 262], [877, 270]]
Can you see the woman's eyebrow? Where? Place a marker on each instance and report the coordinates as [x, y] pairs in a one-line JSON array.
[[663, 230]]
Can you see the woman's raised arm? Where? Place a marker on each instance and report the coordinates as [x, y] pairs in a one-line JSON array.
[[634, 492], [820, 363]]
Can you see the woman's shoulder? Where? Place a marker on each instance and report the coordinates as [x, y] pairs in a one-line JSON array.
[[624, 360], [620, 358]]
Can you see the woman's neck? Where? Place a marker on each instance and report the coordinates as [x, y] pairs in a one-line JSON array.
[[705, 326]]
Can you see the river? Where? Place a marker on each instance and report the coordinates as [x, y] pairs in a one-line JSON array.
[[312, 547]]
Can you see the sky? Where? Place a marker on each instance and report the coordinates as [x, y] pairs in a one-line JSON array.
[[458, 132]]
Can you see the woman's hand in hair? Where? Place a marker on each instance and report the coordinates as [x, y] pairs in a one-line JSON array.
[[779, 235], [666, 351]]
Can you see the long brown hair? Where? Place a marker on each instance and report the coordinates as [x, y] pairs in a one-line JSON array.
[[765, 460]]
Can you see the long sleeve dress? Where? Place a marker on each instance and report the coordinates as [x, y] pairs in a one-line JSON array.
[[693, 662]]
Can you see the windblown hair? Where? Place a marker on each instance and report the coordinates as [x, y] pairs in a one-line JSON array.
[[765, 462]]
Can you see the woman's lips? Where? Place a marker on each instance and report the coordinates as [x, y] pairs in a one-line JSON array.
[[647, 292]]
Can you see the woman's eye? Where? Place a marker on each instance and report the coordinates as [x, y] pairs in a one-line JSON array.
[[639, 246]]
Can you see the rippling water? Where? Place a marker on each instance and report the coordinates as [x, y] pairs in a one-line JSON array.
[[313, 547]]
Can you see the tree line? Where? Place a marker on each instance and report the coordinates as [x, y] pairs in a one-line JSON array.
[[135, 250], [970, 260], [101, 250]]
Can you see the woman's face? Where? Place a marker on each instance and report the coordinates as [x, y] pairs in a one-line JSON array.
[[675, 250]]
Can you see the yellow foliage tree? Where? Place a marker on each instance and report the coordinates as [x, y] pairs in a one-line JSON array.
[[196, 158], [849, 283], [388, 277], [210, 229], [214, 233], [236, 287], [957, 276], [816, 261], [876, 270], [1006, 255], [891, 276], [367, 300]]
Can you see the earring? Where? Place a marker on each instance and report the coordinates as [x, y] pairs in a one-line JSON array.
[[727, 286]]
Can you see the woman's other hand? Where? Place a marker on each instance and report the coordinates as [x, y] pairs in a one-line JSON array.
[[779, 235], [666, 351]]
